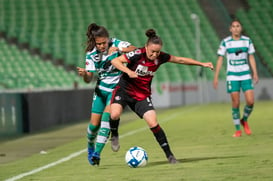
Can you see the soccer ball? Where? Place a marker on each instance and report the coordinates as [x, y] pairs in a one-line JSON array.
[[136, 157]]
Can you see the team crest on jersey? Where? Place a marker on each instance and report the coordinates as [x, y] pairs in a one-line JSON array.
[[95, 57], [117, 98]]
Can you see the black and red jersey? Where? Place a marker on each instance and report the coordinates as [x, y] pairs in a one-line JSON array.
[[140, 88]]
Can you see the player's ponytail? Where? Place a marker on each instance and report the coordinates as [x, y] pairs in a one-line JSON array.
[[153, 37], [94, 31]]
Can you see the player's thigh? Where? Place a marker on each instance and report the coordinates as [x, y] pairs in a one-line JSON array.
[[150, 118], [115, 110], [108, 98], [141, 107], [235, 99], [247, 85], [98, 104], [248, 89], [233, 86], [118, 102]]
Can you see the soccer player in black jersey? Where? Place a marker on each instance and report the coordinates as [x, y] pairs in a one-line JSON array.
[[134, 87]]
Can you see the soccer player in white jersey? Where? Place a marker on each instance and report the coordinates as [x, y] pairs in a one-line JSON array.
[[241, 73], [100, 50]]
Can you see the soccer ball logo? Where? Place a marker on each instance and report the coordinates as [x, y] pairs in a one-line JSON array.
[[136, 157]]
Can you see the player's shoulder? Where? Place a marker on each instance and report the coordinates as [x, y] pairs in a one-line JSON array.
[[119, 43], [227, 39], [243, 37], [114, 40], [135, 53], [163, 56], [139, 51], [91, 53]]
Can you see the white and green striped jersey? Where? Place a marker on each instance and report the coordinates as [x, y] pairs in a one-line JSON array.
[[108, 75], [237, 52]]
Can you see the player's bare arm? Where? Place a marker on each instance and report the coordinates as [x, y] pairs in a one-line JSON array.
[[87, 76], [190, 61], [217, 70], [253, 66], [118, 63]]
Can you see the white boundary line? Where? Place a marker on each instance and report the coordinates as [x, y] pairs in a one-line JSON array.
[[73, 155], [47, 166]]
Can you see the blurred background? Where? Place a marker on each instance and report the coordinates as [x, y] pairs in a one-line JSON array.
[[42, 42]]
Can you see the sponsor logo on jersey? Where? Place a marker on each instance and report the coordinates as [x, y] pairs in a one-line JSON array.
[[143, 71], [237, 62]]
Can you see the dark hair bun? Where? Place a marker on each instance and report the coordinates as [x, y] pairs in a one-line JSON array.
[[150, 33], [94, 27]]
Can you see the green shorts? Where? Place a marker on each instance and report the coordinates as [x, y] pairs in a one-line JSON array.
[[237, 85], [101, 99]]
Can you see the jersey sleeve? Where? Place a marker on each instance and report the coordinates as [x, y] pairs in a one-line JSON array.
[[222, 49], [164, 57], [133, 55], [89, 64], [121, 44]]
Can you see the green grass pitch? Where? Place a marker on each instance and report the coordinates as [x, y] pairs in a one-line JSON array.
[[200, 137]]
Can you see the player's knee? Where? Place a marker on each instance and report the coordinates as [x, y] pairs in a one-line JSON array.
[[250, 103], [115, 112], [115, 115]]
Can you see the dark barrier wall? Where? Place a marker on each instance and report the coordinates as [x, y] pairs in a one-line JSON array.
[[46, 109], [33, 111]]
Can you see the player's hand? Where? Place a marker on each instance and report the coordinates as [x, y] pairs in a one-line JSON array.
[[255, 78], [112, 50], [215, 83], [208, 65], [132, 74], [81, 71]]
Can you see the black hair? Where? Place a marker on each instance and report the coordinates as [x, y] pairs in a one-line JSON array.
[[235, 20], [152, 37], [94, 31]]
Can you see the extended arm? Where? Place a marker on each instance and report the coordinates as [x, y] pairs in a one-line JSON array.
[[190, 61]]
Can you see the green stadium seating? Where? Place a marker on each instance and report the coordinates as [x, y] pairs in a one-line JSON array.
[[58, 28], [258, 25], [19, 69]]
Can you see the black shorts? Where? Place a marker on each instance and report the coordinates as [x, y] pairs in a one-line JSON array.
[[139, 107]]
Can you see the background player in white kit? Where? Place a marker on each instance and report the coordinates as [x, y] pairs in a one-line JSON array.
[[239, 51]]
